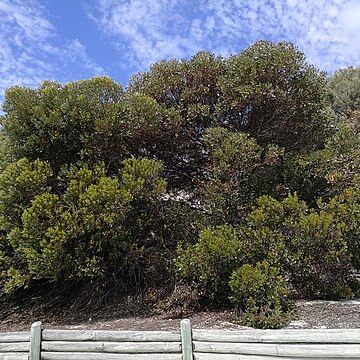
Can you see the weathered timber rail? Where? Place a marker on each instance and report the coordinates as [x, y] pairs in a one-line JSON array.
[[186, 344]]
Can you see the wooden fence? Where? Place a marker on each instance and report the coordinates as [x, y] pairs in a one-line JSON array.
[[186, 344]]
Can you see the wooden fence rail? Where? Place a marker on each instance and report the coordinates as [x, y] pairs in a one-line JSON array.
[[14, 346], [186, 344]]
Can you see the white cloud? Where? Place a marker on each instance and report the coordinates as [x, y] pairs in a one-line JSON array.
[[149, 31], [27, 17], [31, 50], [17, 40], [76, 51]]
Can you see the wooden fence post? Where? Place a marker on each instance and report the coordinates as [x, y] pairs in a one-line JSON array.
[[186, 340], [35, 341]]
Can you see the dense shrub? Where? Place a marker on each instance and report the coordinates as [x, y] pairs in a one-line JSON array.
[[239, 171], [264, 89], [233, 159], [193, 161], [82, 233], [20, 182], [308, 245], [211, 261], [344, 87], [345, 209], [53, 121], [326, 172], [260, 295]]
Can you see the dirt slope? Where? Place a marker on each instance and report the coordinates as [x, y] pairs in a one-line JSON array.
[[312, 314]]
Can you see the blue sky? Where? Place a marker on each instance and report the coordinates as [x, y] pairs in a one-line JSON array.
[[68, 40]]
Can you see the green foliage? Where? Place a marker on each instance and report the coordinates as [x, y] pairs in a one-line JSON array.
[[37, 243], [260, 295], [182, 222], [345, 209], [141, 178], [190, 89], [82, 233], [211, 261], [233, 154], [135, 126], [341, 163], [234, 158], [239, 172], [326, 172], [16, 280], [272, 93], [303, 175], [20, 182], [188, 86], [51, 122], [6, 156], [91, 121], [344, 86], [319, 262], [268, 91], [195, 160], [307, 245], [73, 236]]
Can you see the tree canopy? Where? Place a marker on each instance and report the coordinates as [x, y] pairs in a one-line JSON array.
[[344, 86]]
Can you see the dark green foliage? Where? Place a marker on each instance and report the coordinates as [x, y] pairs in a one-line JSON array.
[[260, 295], [82, 233], [234, 158], [327, 172], [339, 162], [195, 162], [189, 88], [135, 126], [319, 260], [262, 92], [211, 261], [306, 244], [345, 209], [239, 172], [51, 122], [272, 93], [20, 182], [344, 87], [182, 222], [233, 154]]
